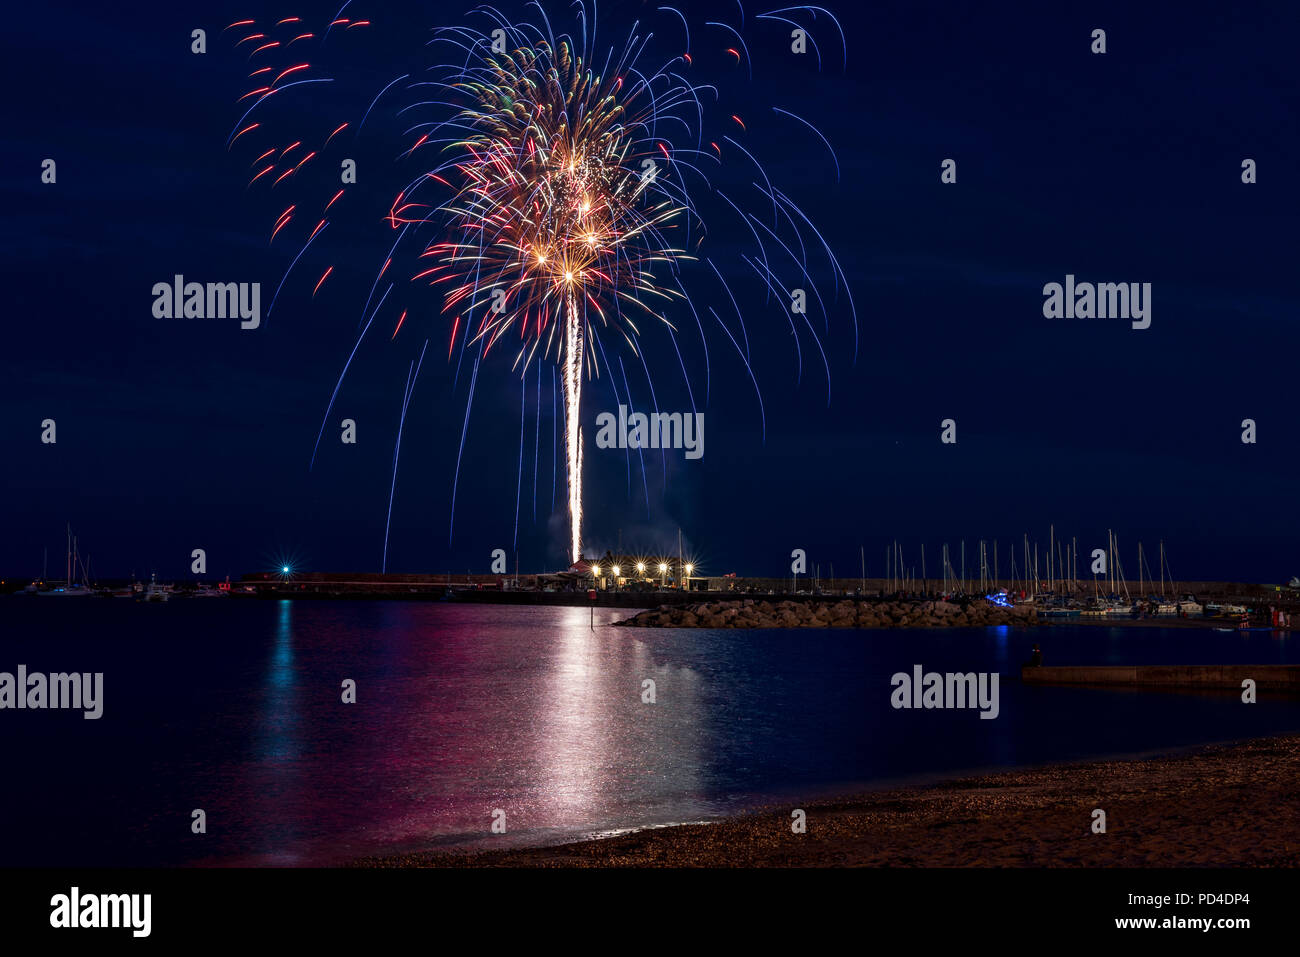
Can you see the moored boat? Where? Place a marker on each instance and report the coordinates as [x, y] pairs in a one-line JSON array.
[[155, 592], [74, 590]]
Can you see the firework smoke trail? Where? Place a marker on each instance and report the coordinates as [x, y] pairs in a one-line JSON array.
[[570, 209], [572, 385]]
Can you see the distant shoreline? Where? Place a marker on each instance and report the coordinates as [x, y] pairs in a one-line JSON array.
[[1229, 805], [534, 589], [651, 604]]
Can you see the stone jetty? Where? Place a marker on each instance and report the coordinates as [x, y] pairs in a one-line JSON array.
[[831, 613], [1266, 677]]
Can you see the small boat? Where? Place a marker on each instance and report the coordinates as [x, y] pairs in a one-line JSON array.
[[1224, 609], [1111, 608], [1059, 612], [67, 591], [155, 592]]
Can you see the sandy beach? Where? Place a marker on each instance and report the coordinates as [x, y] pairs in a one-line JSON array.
[[1218, 806]]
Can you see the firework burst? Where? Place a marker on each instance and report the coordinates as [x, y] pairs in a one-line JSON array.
[[560, 179], [558, 220]]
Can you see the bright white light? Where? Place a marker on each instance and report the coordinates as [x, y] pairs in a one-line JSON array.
[[572, 385]]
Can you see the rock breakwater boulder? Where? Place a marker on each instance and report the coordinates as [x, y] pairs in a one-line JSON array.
[[830, 613]]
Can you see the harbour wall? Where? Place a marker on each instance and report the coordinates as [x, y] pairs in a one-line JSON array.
[[1266, 677]]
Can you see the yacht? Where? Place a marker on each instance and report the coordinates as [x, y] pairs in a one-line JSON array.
[[73, 590], [69, 588]]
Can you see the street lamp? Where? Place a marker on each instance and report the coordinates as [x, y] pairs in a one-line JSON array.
[[616, 571], [595, 575], [689, 570], [663, 571]]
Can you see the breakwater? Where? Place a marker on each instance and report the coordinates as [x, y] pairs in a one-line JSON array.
[[846, 613], [1266, 677]]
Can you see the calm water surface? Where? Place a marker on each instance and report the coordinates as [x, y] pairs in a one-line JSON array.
[[235, 707]]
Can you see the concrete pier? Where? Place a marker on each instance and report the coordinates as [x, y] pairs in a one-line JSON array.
[[1266, 677]]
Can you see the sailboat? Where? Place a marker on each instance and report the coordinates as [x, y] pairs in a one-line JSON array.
[[70, 588], [1187, 606], [1112, 605]]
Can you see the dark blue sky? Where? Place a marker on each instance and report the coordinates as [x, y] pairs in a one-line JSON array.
[[180, 434]]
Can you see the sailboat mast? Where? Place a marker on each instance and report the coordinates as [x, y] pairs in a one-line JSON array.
[[1026, 574], [1110, 561], [1051, 557]]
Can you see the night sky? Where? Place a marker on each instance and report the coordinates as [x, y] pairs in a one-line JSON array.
[[175, 434]]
